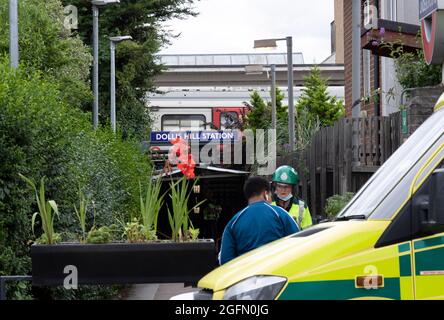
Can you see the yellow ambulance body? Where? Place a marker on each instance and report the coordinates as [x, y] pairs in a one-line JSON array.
[[388, 243]]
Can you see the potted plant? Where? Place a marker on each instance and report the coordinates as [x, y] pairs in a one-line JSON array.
[[140, 257]]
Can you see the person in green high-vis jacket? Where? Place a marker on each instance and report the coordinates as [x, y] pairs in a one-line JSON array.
[[285, 180]]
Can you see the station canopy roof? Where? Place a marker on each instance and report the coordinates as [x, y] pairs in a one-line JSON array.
[[204, 172], [208, 60]]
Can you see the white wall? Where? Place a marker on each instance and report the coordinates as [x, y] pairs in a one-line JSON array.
[[406, 11]]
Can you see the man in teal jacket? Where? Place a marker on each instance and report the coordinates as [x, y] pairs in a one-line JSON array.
[[256, 225]]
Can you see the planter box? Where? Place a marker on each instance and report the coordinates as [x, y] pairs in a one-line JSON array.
[[123, 263]]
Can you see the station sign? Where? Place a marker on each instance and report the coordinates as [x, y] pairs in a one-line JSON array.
[[201, 136], [427, 7], [431, 13]]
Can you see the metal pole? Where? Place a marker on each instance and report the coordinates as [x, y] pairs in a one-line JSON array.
[[13, 33], [113, 86], [291, 112], [96, 66], [273, 97]]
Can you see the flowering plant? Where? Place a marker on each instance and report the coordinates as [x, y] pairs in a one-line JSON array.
[[180, 192], [180, 153]]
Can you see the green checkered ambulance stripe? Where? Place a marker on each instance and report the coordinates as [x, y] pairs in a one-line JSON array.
[[345, 289], [422, 244], [339, 290], [404, 247], [429, 260], [405, 264]]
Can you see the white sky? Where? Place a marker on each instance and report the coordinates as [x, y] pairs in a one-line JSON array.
[[231, 26]]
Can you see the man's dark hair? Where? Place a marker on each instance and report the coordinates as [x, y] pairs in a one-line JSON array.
[[255, 186]]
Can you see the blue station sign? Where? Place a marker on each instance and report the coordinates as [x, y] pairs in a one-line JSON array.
[[201, 136], [427, 7]]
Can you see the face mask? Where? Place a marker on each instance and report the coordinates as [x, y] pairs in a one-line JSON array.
[[287, 198]]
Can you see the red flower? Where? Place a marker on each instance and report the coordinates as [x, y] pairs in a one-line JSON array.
[[177, 141], [186, 163]]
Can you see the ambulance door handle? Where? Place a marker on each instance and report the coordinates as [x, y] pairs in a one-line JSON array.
[[370, 282]]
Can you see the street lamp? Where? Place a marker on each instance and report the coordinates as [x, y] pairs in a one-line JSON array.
[[95, 6], [113, 43], [272, 43], [259, 69], [13, 33]]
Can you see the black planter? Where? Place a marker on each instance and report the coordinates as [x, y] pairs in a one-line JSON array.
[[123, 263]]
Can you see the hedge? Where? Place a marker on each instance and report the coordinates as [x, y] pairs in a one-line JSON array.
[[40, 135]]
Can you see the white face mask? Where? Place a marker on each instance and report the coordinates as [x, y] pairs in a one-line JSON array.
[[287, 198]]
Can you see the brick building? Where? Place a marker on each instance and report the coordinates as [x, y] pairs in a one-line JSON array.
[[395, 21]]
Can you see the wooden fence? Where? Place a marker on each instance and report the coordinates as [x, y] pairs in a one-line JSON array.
[[343, 157]]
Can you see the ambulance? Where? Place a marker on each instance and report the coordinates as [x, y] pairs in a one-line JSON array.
[[388, 243]]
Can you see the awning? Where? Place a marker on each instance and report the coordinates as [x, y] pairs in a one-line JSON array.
[[391, 34], [204, 172]]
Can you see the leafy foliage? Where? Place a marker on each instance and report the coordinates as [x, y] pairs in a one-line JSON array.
[[336, 203], [259, 116], [48, 47], [45, 212], [42, 136], [135, 232], [413, 71], [150, 206], [317, 102], [178, 215], [102, 235], [136, 64]]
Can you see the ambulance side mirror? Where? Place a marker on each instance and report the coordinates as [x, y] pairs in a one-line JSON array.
[[431, 207]]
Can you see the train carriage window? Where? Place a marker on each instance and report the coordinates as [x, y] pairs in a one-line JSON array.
[[228, 119], [183, 122]]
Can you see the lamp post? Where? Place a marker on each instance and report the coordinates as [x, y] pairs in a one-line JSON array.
[[271, 43], [273, 97], [113, 43], [13, 34], [259, 69], [95, 7]]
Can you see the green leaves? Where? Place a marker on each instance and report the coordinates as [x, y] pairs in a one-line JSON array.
[[317, 102], [47, 46], [179, 217], [45, 213], [150, 206], [336, 203], [412, 71], [81, 213]]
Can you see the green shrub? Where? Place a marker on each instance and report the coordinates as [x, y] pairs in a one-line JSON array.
[[412, 71], [42, 136], [336, 203]]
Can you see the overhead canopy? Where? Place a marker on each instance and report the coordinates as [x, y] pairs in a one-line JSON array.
[[204, 172], [391, 35]]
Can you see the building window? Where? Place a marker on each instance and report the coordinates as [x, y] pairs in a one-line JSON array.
[[392, 10], [228, 119], [183, 122]]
